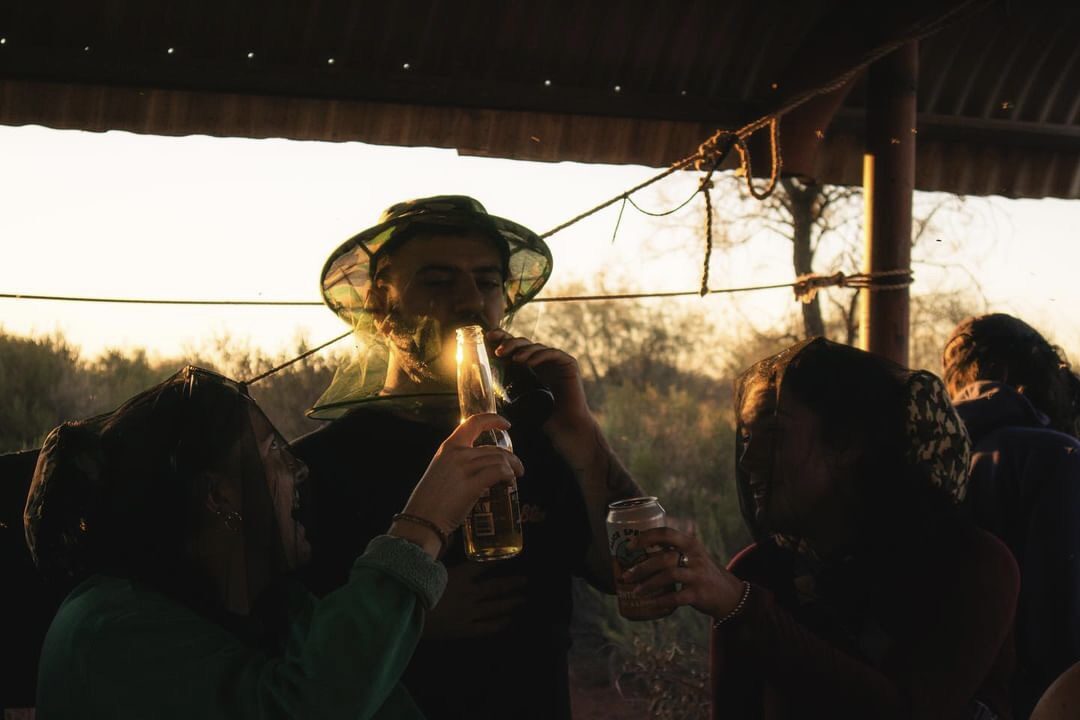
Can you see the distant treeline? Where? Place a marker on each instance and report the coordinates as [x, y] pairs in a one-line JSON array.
[[45, 381]]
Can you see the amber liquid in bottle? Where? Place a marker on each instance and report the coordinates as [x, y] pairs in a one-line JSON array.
[[493, 527]]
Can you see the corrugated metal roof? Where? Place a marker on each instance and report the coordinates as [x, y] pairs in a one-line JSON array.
[[589, 80], [999, 103]]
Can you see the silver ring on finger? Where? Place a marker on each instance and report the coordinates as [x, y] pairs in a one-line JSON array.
[[683, 562]]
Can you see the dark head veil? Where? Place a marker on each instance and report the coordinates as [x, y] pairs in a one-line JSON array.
[[123, 493], [910, 433]]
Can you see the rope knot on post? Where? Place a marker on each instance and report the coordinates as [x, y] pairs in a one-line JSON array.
[[806, 286]]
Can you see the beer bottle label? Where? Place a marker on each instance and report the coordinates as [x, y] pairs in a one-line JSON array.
[[483, 524]]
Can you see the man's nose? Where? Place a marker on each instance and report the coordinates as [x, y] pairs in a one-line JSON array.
[[754, 458], [467, 295]]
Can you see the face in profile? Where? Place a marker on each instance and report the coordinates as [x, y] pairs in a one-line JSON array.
[[249, 534], [284, 476], [430, 286], [781, 452], [758, 445]]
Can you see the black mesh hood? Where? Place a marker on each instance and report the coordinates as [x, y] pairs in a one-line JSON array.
[[905, 415], [123, 492]]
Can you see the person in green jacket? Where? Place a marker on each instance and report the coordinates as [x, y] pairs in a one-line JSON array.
[[174, 520]]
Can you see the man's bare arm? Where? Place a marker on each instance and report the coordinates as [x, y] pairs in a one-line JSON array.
[[603, 479], [577, 437]]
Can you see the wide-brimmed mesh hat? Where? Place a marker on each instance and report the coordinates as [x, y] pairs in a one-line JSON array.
[[349, 273]]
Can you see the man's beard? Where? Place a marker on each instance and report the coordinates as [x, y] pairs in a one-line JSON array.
[[421, 344], [417, 344]]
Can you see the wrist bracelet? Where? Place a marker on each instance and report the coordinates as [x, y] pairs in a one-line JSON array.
[[444, 540], [738, 606]]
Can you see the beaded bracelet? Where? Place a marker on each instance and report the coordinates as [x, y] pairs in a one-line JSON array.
[[444, 540], [738, 606]]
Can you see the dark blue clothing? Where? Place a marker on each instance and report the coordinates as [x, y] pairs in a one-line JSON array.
[[364, 467], [1025, 488]]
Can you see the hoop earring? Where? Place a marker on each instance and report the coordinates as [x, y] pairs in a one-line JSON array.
[[232, 519]]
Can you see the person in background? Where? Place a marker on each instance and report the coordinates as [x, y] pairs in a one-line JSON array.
[[866, 594], [1015, 393], [1005, 350], [173, 520]]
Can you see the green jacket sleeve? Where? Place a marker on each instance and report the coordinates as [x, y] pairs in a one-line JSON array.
[[119, 650]]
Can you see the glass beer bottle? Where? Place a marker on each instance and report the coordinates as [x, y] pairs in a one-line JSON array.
[[493, 527]]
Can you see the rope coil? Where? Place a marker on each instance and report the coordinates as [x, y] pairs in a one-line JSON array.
[[705, 187]]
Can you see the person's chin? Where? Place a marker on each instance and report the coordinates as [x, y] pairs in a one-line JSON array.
[[769, 518], [779, 523], [759, 496], [763, 522]]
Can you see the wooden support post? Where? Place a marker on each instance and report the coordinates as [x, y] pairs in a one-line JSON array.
[[888, 186]]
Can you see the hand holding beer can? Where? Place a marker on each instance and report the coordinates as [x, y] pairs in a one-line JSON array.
[[625, 520]]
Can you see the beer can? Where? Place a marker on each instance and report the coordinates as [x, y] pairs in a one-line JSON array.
[[627, 518]]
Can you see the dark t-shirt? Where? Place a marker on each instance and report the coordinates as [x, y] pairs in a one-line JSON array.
[[363, 468]]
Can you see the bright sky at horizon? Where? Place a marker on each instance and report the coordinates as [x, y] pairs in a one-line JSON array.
[[118, 214]]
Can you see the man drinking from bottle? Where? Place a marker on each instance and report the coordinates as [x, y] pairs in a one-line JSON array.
[[497, 644]]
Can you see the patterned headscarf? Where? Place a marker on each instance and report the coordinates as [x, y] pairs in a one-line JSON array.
[[938, 441]]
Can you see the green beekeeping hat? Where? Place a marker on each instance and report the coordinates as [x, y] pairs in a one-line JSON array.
[[350, 271]]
